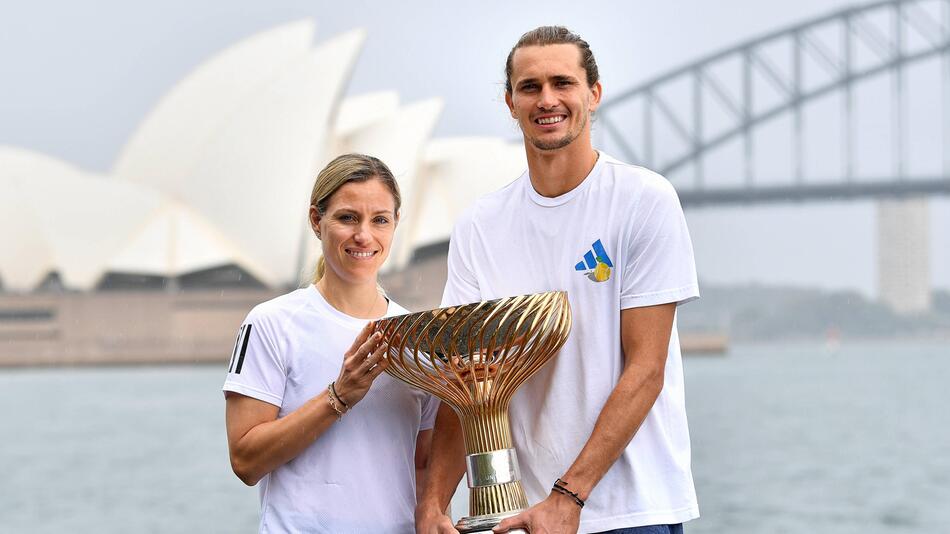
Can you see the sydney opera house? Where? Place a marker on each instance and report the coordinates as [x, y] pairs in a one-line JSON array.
[[203, 213]]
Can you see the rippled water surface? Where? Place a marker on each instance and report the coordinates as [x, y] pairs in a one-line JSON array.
[[790, 439]]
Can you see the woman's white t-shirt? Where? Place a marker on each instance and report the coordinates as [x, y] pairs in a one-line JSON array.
[[359, 475]]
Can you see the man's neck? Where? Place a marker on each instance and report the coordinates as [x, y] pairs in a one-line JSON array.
[[555, 172]]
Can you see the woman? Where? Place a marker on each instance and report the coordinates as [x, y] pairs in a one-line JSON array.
[[335, 444]]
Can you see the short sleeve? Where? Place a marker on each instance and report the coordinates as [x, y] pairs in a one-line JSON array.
[[461, 286], [659, 267], [429, 408], [256, 368]]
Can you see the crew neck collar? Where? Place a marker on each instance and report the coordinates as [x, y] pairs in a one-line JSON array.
[[321, 302], [542, 200]]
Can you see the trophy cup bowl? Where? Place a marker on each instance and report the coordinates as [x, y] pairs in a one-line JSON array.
[[474, 357]]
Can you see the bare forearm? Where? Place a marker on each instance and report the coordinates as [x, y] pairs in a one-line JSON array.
[[622, 414], [259, 441], [420, 481], [645, 339], [269, 445], [446, 461]]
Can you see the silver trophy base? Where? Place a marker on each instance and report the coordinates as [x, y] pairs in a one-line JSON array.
[[482, 524]]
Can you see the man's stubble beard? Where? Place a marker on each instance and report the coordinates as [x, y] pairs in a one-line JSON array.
[[558, 143]]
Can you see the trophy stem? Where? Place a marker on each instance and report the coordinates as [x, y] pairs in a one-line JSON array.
[[497, 499], [486, 429], [488, 442]]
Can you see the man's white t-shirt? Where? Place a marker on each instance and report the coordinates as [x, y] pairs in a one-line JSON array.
[[618, 240], [359, 475]]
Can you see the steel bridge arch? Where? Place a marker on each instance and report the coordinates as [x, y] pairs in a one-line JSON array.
[[905, 18]]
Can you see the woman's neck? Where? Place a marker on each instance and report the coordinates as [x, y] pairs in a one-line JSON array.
[[362, 301]]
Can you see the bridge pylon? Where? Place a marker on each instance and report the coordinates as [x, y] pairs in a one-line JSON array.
[[903, 240]]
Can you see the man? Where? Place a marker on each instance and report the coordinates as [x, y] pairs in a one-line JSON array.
[[602, 428]]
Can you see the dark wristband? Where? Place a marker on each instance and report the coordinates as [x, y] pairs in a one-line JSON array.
[[559, 486], [333, 389]]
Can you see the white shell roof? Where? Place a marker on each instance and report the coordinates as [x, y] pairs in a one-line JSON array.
[[72, 221], [176, 240], [220, 172], [455, 172], [360, 111], [26, 255], [250, 174], [82, 226], [399, 139], [173, 134]]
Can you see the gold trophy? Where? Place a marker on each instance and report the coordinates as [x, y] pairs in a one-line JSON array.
[[474, 357]]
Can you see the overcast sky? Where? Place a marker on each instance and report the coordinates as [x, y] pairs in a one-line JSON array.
[[76, 78]]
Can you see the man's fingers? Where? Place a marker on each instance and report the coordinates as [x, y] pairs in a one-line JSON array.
[[510, 523], [446, 527]]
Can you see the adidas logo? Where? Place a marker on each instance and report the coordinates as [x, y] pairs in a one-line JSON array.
[[596, 263]]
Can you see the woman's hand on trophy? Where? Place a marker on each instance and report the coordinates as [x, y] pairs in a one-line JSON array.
[[362, 363]]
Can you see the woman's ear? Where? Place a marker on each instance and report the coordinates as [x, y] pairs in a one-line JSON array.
[[315, 221]]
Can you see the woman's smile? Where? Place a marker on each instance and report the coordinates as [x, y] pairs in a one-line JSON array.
[[362, 255]]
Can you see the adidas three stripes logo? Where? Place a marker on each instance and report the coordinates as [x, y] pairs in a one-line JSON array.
[[240, 349]]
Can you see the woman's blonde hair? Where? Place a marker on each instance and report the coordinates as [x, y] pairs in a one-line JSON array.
[[345, 169]]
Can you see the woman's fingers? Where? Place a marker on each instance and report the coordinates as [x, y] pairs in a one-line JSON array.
[[357, 356], [361, 338], [377, 362], [368, 346], [365, 360], [380, 367], [376, 357]]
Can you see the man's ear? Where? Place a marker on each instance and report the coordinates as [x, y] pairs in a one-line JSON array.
[[315, 221], [511, 105], [597, 91]]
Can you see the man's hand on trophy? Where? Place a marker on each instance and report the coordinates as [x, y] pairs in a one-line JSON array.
[[554, 515], [362, 363], [433, 521]]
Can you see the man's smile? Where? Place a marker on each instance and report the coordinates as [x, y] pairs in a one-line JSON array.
[[550, 119]]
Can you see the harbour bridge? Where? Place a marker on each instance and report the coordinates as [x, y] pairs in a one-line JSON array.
[[813, 85]]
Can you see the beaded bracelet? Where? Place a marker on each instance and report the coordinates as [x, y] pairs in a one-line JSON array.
[[559, 486]]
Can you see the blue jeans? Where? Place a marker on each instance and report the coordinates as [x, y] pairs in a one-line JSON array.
[[652, 529]]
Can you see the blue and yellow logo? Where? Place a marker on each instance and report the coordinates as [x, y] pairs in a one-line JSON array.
[[596, 264]]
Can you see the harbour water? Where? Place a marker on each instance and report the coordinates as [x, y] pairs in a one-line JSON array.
[[790, 439]]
